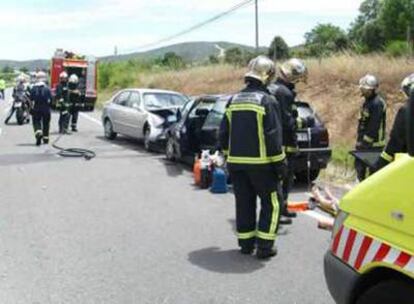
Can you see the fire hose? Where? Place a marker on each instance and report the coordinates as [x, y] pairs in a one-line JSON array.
[[73, 152]]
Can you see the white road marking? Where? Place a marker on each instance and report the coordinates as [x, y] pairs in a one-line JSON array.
[[92, 119], [317, 216]]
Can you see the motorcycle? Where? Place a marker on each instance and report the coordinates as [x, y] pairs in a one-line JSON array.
[[21, 107]]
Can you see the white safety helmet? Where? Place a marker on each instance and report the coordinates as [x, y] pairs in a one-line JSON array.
[[63, 75], [407, 84], [73, 78], [261, 68], [369, 82], [294, 70], [41, 76], [21, 79]]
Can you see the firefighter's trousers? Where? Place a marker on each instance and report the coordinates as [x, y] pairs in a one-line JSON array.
[[41, 123], [362, 170], [64, 121], [74, 114], [248, 185]]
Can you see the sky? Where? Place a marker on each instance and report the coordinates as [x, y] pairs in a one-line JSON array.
[[34, 29]]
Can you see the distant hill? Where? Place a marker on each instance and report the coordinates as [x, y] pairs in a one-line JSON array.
[[29, 64], [189, 51]]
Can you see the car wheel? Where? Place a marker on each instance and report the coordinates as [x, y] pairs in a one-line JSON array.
[[109, 130], [170, 150], [302, 176], [147, 142], [391, 291]]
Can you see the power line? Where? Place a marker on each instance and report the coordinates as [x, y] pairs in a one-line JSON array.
[[194, 27]]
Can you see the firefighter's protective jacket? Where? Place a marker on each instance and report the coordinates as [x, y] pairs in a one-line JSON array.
[[398, 137], [371, 126], [62, 95], [41, 97], [285, 94], [251, 131]]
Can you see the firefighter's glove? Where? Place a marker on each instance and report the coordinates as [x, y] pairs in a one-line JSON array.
[[281, 169]]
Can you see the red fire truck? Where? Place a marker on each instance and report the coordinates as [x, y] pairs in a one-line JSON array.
[[85, 67]]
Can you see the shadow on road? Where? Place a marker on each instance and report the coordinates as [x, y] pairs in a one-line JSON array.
[[224, 261], [26, 159]]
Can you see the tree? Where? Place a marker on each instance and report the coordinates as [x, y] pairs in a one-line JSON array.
[[213, 59], [396, 17], [234, 56], [7, 69], [324, 39], [278, 49], [172, 60], [369, 11], [24, 69]]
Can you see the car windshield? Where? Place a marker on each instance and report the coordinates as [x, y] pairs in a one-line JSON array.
[[305, 112], [163, 100], [215, 116]]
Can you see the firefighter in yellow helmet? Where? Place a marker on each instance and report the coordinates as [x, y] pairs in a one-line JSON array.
[[251, 136]]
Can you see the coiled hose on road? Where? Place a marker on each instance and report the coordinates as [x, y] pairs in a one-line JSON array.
[[73, 152]]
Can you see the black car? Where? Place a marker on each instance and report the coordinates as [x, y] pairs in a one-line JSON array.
[[199, 122]]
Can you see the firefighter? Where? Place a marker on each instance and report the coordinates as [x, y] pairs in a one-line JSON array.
[[398, 137], [62, 101], [74, 99], [2, 88], [290, 73], [41, 98], [251, 137], [371, 126], [20, 93]]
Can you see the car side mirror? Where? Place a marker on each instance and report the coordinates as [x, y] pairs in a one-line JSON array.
[[410, 124]]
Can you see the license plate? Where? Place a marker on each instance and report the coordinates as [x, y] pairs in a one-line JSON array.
[[302, 136]]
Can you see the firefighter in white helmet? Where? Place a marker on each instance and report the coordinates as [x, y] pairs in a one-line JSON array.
[[371, 124], [41, 98], [291, 72], [62, 102], [251, 136], [74, 100]]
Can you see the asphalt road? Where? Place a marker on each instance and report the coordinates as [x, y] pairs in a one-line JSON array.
[[129, 227]]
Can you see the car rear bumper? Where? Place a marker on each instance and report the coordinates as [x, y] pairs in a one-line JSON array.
[[319, 158], [340, 278]]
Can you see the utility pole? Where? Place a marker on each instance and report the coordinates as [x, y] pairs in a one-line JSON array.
[[410, 41], [257, 25]]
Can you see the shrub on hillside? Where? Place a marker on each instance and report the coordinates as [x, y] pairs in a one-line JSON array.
[[397, 48]]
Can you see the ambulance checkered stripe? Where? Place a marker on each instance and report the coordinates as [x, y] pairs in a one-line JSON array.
[[359, 250]]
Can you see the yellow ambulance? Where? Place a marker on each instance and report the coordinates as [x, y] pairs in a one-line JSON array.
[[371, 256]]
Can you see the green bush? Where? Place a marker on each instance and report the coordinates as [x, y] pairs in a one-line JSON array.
[[397, 48]]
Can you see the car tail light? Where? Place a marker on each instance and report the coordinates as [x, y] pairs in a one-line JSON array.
[[324, 137]]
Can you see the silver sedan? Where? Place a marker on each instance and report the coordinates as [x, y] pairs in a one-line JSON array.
[[143, 114]]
